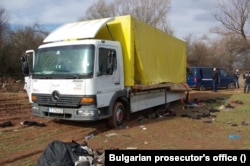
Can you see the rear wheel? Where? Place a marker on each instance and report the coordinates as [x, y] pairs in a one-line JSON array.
[[118, 116]]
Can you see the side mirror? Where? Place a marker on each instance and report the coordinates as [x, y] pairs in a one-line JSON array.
[[25, 66], [27, 60]]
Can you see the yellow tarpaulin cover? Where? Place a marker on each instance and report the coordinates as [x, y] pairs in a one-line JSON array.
[[150, 55]]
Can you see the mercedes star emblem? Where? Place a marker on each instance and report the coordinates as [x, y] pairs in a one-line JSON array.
[[55, 95]]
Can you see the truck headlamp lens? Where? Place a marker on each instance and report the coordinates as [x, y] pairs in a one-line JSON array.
[[34, 98], [87, 100]]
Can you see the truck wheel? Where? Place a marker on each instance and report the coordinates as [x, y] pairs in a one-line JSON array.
[[118, 115]]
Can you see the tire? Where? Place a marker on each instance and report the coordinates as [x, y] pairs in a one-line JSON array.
[[118, 116]]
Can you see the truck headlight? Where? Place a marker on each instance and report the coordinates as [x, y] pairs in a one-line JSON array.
[[90, 100], [34, 98]]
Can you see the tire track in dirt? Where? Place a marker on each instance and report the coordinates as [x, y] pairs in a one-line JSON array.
[[32, 141], [19, 143], [77, 132]]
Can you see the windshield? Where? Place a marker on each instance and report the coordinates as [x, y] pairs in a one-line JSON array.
[[65, 61]]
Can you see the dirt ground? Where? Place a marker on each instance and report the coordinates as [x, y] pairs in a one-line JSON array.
[[23, 145]]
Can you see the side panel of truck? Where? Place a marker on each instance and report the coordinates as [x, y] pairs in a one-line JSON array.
[[149, 99]]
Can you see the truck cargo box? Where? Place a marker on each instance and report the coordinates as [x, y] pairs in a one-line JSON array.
[[150, 55]]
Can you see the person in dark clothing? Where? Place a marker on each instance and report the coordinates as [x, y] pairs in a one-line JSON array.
[[236, 77], [215, 79], [246, 78]]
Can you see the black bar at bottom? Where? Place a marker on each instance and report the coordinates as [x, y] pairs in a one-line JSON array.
[[177, 157]]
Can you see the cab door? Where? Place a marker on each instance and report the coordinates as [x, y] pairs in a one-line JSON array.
[[27, 68], [108, 77]]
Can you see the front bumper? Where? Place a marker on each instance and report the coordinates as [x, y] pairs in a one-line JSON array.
[[84, 113]]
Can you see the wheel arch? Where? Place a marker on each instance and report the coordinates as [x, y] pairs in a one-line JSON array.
[[119, 96], [118, 109]]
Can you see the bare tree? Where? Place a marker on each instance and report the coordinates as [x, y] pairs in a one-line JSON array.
[[225, 52], [233, 15], [24, 38], [205, 52], [99, 9], [3, 38], [153, 12], [3, 22], [197, 51]]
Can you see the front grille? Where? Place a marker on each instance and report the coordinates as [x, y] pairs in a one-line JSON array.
[[63, 101]]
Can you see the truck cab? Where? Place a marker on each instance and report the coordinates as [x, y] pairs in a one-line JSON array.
[[74, 79]]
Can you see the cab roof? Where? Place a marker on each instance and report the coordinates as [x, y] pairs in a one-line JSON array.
[[77, 30]]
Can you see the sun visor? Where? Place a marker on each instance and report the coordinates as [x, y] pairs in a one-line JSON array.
[[77, 30]]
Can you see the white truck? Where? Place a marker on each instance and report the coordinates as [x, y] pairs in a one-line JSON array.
[[104, 69]]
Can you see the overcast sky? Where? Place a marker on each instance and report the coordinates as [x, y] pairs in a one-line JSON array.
[[186, 16]]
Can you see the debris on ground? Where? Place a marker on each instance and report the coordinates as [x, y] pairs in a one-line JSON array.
[[200, 113], [234, 136], [6, 124], [131, 148], [160, 114], [89, 136], [32, 123], [122, 127], [140, 119], [244, 123], [143, 127], [58, 153], [208, 121], [237, 102], [111, 134], [232, 124], [229, 106]]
